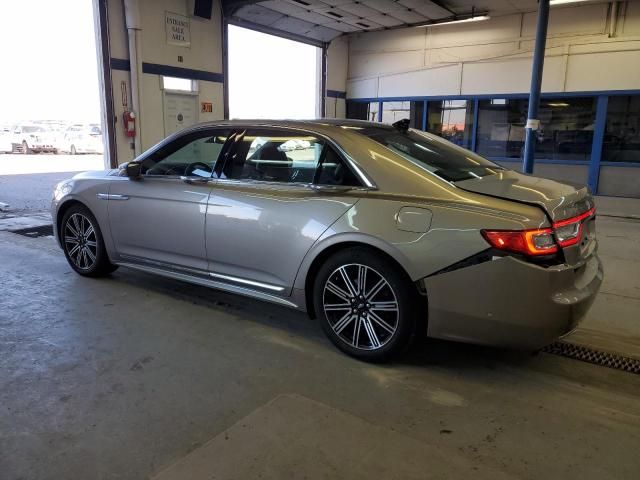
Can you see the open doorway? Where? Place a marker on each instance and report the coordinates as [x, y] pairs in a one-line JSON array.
[[272, 77], [50, 96]]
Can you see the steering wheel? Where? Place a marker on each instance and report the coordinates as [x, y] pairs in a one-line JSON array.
[[192, 167]]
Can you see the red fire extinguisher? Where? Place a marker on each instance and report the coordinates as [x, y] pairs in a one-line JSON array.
[[129, 123]]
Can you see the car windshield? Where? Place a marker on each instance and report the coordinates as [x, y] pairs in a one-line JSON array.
[[442, 158], [33, 129]]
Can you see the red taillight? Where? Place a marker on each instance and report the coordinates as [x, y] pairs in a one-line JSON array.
[[528, 242], [569, 231], [541, 241]]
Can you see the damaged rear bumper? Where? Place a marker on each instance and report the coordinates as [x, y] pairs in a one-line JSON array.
[[508, 302]]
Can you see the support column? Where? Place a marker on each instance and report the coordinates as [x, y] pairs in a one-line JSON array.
[[533, 124]]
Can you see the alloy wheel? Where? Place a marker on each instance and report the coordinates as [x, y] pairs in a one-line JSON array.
[[80, 241], [361, 307]]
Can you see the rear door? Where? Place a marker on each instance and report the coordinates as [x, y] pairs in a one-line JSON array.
[[262, 214]]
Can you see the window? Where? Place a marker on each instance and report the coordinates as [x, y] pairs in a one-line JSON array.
[[622, 131], [566, 128], [333, 171], [451, 119], [501, 127], [447, 161], [394, 111], [357, 110], [274, 156], [194, 154], [373, 111], [179, 84]]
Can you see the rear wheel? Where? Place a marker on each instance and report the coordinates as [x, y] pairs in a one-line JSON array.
[[73, 150], [366, 304], [25, 147], [83, 243]]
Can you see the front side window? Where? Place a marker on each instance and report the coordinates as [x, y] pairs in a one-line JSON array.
[[193, 154], [436, 155], [274, 156]]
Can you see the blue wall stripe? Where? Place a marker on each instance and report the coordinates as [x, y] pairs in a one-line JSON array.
[[486, 96], [336, 94], [179, 72], [598, 141], [120, 64]]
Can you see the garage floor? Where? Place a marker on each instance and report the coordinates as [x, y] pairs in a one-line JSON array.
[[134, 377]]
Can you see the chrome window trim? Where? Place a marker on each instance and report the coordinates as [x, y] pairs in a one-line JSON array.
[[367, 182]]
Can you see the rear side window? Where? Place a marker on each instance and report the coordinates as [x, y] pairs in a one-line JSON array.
[[442, 158], [333, 171], [274, 156]]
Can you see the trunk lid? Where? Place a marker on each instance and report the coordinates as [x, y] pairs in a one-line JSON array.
[[558, 200]]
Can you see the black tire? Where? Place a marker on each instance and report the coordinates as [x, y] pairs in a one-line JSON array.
[[25, 148], [77, 220], [73, 150], [393, 329]]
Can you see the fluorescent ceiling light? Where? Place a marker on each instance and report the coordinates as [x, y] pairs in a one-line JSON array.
[[564, 2], [476, 18]]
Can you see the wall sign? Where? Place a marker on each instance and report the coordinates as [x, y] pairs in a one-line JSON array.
[[178, 29], [206, 107]]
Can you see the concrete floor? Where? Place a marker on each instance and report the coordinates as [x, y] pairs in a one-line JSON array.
[[134, 377]]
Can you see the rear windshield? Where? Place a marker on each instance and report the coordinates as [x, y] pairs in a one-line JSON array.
[[442, 158]]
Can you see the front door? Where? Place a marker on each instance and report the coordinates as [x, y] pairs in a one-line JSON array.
[[160, 218], [262, 215]]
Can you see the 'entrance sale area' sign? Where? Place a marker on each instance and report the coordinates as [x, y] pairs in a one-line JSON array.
[[178, 29]]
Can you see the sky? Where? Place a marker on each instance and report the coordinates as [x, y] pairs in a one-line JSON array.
[[270, 77], [50, 68], [49, 61]]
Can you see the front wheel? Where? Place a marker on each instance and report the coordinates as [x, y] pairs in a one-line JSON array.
[[73, 150], [25, 147], [367, 306], [83, 244]]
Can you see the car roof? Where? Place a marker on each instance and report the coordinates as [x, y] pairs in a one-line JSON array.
[[319, 124]]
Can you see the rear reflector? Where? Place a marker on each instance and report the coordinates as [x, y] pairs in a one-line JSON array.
[[540, 241]]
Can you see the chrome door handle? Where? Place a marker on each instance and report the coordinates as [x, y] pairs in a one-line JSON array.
[[195, 179], [112, 196]]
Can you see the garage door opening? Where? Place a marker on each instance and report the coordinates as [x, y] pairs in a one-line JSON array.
[[49, 89], [272, 77]]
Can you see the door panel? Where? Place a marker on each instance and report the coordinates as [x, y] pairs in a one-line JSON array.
[[261, 232], [162, 220]]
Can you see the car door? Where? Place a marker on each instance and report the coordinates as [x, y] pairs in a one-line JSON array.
[[160, 217], [263, 215]]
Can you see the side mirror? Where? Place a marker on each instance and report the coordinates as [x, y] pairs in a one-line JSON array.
[[133, 170]]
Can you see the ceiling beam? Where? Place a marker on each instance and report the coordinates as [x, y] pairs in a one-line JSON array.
[[229, 7]]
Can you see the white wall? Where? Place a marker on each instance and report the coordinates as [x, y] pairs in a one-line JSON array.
[[337, 66], [205, 53], [495, 56]]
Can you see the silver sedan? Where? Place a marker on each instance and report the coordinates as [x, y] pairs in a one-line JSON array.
[[380, 231]]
